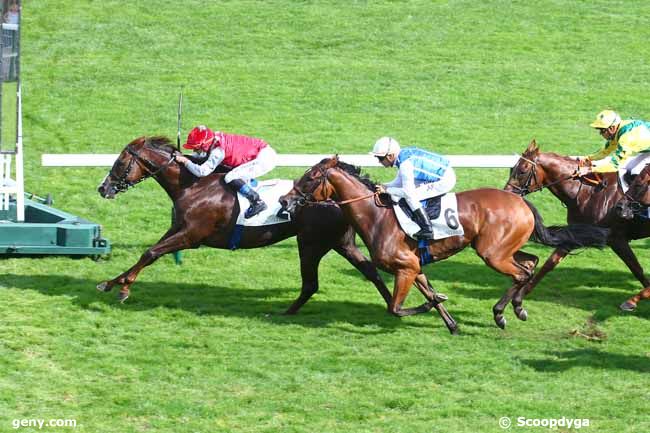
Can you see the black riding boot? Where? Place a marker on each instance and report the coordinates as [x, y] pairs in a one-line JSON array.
[[257, 205], [426, 231]]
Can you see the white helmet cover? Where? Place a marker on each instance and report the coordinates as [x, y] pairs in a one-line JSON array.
[[384, 146]]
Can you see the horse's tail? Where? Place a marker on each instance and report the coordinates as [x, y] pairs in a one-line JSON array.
[[568, 237]]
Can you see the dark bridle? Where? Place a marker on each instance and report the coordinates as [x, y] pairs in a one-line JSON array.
[[530, 178], [148, 166], [309, 198]]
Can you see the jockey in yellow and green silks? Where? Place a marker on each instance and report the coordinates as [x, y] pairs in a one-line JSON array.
[[627, 148]]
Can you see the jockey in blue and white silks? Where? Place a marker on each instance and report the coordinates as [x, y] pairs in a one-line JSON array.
[[421, 174]]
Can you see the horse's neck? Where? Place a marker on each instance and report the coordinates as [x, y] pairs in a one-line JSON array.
[[557, 177], [583, 201], [362, 214], [169, 179]]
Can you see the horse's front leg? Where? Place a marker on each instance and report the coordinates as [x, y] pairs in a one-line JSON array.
[[170, 242], [365, 266], [404, 279], [310, 256]]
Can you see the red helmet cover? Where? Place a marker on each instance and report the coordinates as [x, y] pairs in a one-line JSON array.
[[200, 138]]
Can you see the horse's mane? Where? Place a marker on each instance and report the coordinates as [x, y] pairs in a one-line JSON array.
[[161, 142], [565, 158], [355, 171]]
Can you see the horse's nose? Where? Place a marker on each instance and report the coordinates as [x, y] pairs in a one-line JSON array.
[[284, 203], [101, 190]]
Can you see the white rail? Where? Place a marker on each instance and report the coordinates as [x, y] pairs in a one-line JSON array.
[[284, 160]]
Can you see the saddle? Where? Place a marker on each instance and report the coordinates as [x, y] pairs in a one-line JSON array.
[[442, 211], [431, 207]]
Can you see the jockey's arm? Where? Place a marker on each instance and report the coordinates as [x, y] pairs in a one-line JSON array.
[[602, 153], [404, 184], [629, 145], [207, 167]]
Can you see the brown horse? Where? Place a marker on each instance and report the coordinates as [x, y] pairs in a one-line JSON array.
[[586, 202], [637, 197], [496, 223], [205, 213]]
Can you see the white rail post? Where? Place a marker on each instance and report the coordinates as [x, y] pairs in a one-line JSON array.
[[20, 180]]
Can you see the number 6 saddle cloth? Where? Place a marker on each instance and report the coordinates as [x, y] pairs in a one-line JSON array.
[[441, 210]]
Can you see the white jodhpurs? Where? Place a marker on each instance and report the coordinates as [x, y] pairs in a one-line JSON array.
[[262, 164]]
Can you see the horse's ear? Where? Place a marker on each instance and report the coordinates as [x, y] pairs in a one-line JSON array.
[[333, 161], [532, 147], [138, 141]]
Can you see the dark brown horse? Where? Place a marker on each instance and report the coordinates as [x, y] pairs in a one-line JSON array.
[[586, 202], [206, 211], [637, 197], [496, 223]]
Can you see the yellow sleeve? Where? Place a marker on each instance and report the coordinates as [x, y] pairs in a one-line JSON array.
[[603, 166], [602, 153]]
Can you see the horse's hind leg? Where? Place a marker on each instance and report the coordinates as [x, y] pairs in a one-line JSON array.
[[630, 304], [170, 242], [550, 264], [528, 262], [623, 250], [509, 266]]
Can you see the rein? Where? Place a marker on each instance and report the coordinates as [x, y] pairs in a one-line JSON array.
[[363, 197]]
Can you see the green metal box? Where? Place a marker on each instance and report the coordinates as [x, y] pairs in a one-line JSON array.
[[47, 230]]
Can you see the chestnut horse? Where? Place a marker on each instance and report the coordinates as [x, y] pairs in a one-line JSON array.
[[496, 223], [205, 213], [586, 202]]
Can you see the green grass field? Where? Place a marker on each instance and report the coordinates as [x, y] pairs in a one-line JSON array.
[[204, 347]]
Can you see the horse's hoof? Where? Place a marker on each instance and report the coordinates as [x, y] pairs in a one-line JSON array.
[[104, 286], [521, 313], [440, 298], [627, 306], [122, 297], [500, 321]]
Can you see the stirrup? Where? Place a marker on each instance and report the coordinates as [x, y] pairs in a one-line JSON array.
[[422, 234], [254, 209]]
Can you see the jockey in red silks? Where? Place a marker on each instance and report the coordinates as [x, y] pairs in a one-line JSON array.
[[247, 157]]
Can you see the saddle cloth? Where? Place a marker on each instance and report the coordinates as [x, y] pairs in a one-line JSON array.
[[269, 191], [442, 211]]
